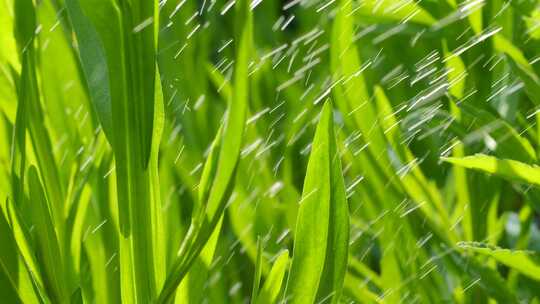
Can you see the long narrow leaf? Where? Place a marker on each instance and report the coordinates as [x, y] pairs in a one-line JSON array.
[[320, 252]]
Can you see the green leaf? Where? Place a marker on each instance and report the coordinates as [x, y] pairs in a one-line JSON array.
[[159, 233], [360, 291], [118, 53], [272, 284], [30, 101], [456, 73], [25, 24], [258, 271], [9, 265], [21, 235], [76, 297], [18, 150], [505, 168], [94, 64], [236, 115], [8, 53], [219, 172], [526, 262], [532, 24], [522, 67], [414, 183], [192, 289], [322, 230], [387, 10], [48, 249], [365, 271], [350, 82]]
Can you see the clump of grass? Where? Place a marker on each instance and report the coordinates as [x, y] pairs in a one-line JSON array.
[[270, 152]]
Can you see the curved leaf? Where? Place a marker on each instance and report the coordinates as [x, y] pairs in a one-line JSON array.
[[505, 168], [526, 262]]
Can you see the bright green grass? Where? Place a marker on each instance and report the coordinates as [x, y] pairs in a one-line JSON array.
[[347, 151]]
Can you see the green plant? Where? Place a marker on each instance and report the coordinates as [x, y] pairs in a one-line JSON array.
[[364, 151]]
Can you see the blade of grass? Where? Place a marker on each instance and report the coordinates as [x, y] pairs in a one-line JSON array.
[[207, 217], [505, 168], [273, 281], [258, 271], [321, 239], [22, 238], [25, 21], [119, 43], [526, 262], [15, 272], [94, 64], [386, 10], [48, 248], [193, 287]]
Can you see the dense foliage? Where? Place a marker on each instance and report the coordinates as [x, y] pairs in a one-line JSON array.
[[265, 151]]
